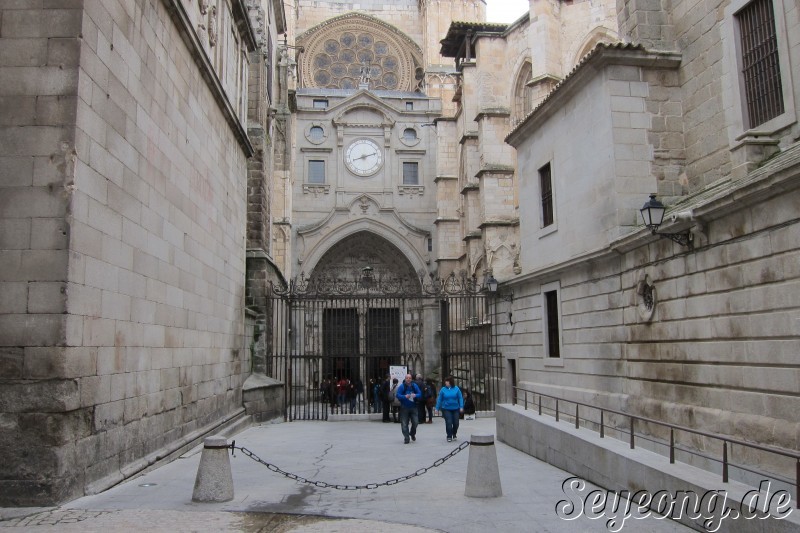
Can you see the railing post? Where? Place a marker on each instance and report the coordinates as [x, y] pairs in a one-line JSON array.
[[602, 425], [724, 461], [632, 424], [671, 446], [526, 400], [556, 409], [577, 424], [797, 485], [540, 405]]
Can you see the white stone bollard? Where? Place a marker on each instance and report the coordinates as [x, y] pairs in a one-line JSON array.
[[483, 475], [214, 481]]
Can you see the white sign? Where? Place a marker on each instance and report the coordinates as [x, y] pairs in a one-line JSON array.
[[398, 372]]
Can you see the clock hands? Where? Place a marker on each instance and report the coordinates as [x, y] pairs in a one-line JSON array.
[[366, 156]]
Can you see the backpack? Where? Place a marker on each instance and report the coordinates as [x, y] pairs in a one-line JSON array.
[[391, 394], [427, 392]]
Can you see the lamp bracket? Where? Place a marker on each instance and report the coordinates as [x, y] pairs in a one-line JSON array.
[[505, 296], [683, 238]]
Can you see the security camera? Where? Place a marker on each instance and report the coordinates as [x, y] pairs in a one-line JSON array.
[[682, 215]]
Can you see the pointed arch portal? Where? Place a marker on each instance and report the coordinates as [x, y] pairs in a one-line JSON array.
[[362, 309]]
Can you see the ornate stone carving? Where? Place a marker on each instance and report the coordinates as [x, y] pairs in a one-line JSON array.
[[410, 190], [316, 190], [212, 26], [203, 6], [355, 50]]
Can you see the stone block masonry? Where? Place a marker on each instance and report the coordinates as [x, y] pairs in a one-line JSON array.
[[122, 245]]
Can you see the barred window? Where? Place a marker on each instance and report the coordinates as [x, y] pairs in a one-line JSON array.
[[761, 71], [553, 340], [546, 186], [316, 171], [320, 104], [410, 173]]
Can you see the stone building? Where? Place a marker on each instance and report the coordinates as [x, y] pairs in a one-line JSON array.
[[674, 102], [127, 147], [177, 178]]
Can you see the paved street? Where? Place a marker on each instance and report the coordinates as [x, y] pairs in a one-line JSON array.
[[346, 453]]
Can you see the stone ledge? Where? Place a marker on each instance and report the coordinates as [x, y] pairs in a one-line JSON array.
[[611, 464]]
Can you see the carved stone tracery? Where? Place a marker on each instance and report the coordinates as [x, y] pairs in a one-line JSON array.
[[339, 51]]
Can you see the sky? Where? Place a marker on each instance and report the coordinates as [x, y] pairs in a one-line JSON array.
[[505, 10]]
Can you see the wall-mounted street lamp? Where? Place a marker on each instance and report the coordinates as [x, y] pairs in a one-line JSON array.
[[491, 286], [653, 215]]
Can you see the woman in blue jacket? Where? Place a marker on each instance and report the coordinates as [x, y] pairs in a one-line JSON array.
[[451, 403]]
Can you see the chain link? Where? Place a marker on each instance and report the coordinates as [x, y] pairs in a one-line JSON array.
[[369, 486]]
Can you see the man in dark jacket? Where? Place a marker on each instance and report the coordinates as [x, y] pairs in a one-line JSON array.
[[407, 393], [421, 398], [386, 402]]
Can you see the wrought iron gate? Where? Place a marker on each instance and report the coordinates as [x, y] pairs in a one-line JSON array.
[[326, 331]]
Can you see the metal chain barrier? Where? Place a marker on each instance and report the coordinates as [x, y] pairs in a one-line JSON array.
[[325, 485]]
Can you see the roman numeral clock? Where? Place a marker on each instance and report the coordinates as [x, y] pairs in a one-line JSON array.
[[363, 157]]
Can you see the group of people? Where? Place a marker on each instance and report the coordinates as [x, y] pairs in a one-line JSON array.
[[416, 398], [409, 403], [342, 393]]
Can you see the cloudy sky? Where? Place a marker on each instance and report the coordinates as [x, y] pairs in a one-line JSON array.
[[505, 10]]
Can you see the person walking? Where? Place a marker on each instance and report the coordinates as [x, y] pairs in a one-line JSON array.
[[376, 395], [341, 393], [451, 403], [394, 400], [430, 401], [420, 400], [407, 393], [386, 398]]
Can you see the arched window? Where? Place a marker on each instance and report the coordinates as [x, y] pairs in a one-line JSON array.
[[523, 101], [409, 135]]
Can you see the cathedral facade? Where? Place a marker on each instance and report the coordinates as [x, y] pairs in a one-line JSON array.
[[177, 178]]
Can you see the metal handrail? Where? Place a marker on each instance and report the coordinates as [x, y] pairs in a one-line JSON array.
[[672, 427]]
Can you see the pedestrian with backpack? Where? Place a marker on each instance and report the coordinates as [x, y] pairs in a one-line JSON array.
[[393, 400], [407, 393], [430, 402]]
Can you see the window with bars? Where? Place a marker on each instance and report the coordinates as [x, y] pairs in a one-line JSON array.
[[320, 104], [546, 188], [553, 337], [410, 173], [316, 171], [761, 73]]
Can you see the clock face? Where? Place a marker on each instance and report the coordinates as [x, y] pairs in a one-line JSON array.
[[363, 157]]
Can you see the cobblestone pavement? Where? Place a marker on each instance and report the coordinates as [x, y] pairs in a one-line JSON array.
[[85, 521]]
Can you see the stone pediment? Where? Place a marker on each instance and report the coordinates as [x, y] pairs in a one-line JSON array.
[[356, 110]]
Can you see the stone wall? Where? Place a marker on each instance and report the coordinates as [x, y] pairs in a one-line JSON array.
[[713, 351], [38, 103], [718, 353], [124, 332]]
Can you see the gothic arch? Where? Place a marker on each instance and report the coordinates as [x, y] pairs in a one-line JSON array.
[[337, 50], [522, 98], [598, 35], [408, 260]]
